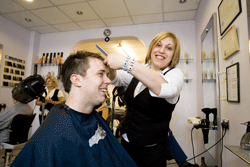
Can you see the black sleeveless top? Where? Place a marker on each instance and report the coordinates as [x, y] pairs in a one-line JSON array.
[[48, 106], [147, 118]]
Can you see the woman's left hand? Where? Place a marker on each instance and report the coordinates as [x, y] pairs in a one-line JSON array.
[[50, 101], [115, 61]]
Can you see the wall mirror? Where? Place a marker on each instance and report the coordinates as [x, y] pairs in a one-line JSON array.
[[210, 85], [1, 54], [248, 19]]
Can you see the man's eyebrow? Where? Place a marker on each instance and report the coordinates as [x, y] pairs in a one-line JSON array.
[[101, 71]]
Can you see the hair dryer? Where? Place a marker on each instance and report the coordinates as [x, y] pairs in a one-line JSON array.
[[208, 111], [204, 125]]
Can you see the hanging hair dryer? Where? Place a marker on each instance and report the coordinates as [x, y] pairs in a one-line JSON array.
[[204, 125], [207, 111], [205, 129]]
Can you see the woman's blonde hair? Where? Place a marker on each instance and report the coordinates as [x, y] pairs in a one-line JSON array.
[[177, 48], [54, 81]]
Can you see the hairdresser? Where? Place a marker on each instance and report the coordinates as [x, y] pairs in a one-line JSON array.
[[152, 92], [53, 96]]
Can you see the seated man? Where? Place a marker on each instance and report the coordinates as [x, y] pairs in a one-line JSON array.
[[7, 116], [73, 134]]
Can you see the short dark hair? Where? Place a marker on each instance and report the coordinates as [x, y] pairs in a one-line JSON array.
[[77, 63]]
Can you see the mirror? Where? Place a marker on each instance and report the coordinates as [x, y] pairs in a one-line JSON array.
[[248, 20], [1, 55], [210, 85], [1, 52]]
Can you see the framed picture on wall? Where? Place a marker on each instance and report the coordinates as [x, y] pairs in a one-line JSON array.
[[229, 42], [228, 11], [233, 83]]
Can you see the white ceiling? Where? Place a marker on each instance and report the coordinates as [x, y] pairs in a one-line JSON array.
[[50, 16]]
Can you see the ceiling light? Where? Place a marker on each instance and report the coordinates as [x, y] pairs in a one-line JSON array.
[[79, 12], [29, 0], [120, 45], [125, 50], [28, 20], [183, 1]]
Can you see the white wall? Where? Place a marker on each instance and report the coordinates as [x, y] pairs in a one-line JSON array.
[[23, 44], [235, 112], [16, 43]]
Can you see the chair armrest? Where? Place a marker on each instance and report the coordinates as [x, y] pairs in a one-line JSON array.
[[10, 146]]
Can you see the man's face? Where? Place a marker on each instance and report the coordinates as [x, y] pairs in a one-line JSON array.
[[95, 82]]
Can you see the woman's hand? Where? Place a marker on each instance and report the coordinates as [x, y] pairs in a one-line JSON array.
[[115, 61], [60, 100], [50, 101], [39, 103]]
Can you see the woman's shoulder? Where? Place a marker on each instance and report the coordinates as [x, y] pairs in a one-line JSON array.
[[60, 93], [173, 70], [177, 70]]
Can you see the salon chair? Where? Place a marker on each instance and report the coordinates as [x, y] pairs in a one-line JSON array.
[[19, 130]]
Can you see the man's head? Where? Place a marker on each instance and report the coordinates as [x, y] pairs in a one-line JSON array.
[[85, 74], [76, 64]]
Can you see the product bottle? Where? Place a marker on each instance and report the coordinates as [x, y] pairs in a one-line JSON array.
[[50, 58], [59, 66], [58, 58], [61, 58], [37, 59], [245, 140], [54, 58], [46, 59], [43, 59], [35, 69]]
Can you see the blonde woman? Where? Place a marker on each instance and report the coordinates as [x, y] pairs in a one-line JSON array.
[[152, 92], [54, 96]]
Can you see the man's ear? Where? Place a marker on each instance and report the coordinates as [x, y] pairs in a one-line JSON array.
[[75, 80]]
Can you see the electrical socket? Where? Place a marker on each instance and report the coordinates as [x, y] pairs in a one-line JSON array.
[[225, 124]]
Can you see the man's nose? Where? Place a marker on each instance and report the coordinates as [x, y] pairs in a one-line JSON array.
[[107, 80]]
